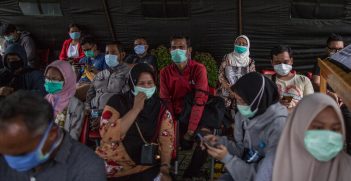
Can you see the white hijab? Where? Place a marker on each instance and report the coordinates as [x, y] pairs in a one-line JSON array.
[[240, 60]]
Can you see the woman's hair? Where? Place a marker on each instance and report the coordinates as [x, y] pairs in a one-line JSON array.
[[136, 71]]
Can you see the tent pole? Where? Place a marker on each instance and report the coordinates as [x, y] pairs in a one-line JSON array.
[[240, 17], [108, 18]]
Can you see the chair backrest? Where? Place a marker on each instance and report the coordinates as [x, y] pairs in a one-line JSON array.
[[84, 133]]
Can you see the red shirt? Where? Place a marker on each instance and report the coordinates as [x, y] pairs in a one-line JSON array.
[[63, 54], [174, 85]]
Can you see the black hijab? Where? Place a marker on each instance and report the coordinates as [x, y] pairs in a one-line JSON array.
[[147, 119], [249, 86]]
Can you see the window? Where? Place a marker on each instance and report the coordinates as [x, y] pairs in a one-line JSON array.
[[318, 9], [165, 8], [40, 7]]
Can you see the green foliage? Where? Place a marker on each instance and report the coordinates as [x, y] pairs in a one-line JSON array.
[[163, 56], [211, 67]]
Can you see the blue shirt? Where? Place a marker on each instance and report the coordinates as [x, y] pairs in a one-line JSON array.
[[98, 63]]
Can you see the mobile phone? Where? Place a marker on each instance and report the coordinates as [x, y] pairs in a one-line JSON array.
[[287, 98], [206, 141]]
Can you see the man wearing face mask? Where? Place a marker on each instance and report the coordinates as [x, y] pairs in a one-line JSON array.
[[11, 35], [292, 87], [177, 80], [141, 54], [110, 81], [17, 75], [33, 147]]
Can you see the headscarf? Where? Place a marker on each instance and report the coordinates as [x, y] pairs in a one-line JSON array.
[[293, 162], [147, 118], [240, 60], [249, 86], [60, 100]]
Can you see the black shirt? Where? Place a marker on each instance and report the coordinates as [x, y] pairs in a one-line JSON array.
[[149, 59]]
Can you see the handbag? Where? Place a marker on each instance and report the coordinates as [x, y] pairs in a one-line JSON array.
[[149, 151]]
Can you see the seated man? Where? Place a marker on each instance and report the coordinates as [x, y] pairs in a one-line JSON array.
[[141, 54], [113, 80], [11, 35], [17, 75], [335, 43], [176, 81], [292, 87], [33, 147]]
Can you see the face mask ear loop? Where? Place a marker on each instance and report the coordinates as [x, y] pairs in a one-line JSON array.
[[260, 95], [131, 79]]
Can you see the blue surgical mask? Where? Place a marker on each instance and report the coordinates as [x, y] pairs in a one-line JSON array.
[[74, 35], [282, 69], [53, 86], [147, 91], [139, 49], [240, 49], [33, 159], [10, 38], [111, 60], [178, 56]]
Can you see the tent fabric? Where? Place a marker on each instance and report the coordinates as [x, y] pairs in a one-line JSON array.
[[212, 26]]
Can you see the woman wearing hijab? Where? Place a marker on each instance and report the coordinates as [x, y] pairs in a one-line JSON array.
[[235, 65], [258, 126], [311, 145], [60, 83], [129, 122]]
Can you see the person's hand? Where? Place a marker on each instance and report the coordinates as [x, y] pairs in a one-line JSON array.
[[286, 103], [139, 101], [165, 177], [5, 91], [218, 153], [333, 95], [210, 138], [189, 135]]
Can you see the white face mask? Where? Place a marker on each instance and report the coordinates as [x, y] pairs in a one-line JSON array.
[[282, 69]]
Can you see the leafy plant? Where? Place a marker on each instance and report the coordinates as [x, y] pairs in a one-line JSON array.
[[211, 67], [163, 56]]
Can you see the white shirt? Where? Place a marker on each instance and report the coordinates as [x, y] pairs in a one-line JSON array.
[[72, 51]]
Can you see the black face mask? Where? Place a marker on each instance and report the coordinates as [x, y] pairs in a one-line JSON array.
[[15, 65]]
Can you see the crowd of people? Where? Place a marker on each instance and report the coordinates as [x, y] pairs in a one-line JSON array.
[[282, 129]]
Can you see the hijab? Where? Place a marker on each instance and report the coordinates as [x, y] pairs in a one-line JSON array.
[[240, 60], [293, 162], [248, 88], [60, 100]]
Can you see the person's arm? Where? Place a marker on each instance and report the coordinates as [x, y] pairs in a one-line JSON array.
[[30, 48], [164, 91], [221, 76], [89, 167], [90, 96], [166, 139], [252, 67], [200, 98], [74, 125], [36, 83], [308, 89], [63, 53]]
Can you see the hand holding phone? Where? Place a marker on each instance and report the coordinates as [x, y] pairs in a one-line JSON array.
[[206, 142]]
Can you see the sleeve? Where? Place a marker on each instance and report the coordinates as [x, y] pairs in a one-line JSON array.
[[75, 123], [252, 66], [200, 98], [63, 53], [90, 95], [308, 89], [37, 81], [235, 147], [110, 130], [30, 48], [164, 91], [221, 77], [166, 138], [90, 167]]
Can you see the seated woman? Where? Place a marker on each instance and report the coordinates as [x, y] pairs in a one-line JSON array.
[[132, 120], [71, 49], [60, 83], [258, 126], [311, 145], [235, 65]]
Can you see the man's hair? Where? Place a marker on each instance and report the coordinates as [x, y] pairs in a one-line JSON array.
[[188, 42], [280, 49], [7, 29], [34, 110], [119, 45], [334, 37], [73, 25], [88, 39]]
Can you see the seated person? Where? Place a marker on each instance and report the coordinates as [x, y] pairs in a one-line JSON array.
[[129, 119], [258, 125], [292, 87], [33, 147], [60, 83], [141, 54], [312, 144], [12, 35], [110, 81], [17, 75], [94, 60], [71, 50], [335, 43]]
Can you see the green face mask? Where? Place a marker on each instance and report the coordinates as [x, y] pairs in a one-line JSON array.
[[89, 53], [246, 111], [323, 145], [240, 49], [147, 91], [53, 86]]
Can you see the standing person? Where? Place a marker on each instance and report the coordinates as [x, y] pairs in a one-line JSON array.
[[131, 119], [258, 125], [141, 54], [71, 50], [311, 146], [33, 147], [235, 65], [177, 80], [60, 83]]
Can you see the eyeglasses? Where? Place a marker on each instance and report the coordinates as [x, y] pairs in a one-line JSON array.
[[334, 50]]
